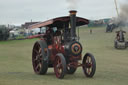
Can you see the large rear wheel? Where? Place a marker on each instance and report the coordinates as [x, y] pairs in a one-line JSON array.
[[60, 66], [89, 65], [40, 65]]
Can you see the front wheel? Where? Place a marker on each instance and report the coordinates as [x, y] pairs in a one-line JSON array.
[[60, 66], [89, 65]]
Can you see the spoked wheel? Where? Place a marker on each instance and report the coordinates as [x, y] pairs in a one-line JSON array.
[[39, 65], [60, 66], [89, 65]]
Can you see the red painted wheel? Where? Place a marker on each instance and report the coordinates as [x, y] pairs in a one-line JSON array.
[[60, 66], [89, 65], [39, 65]]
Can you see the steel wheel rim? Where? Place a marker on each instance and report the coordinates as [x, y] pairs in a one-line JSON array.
[[88, 65], [58, 67], [37, 58]]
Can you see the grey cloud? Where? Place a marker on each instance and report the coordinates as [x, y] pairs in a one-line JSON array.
[[19, 11]]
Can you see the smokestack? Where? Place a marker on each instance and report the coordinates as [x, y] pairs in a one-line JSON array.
[[73, 23]]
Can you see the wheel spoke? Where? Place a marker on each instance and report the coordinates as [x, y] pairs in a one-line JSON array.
[[58, 61], [38, 56], [38, 67], [58, 65], [86, 70], [38, 46], [89, 59], [35, 59], [86, 60], [89, 71], [36, 51], [60, 70], [39, 50]]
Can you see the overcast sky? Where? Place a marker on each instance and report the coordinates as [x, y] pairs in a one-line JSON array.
[[20, 11]]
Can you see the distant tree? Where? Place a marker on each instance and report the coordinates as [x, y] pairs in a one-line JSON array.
[[4, 32]]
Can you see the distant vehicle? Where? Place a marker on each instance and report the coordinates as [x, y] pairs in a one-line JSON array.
[[113, 24], [110, 27], [14, 34], [4, 33], [120, 42]]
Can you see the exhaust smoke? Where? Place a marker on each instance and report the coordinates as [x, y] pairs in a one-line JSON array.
[[123, 17], [72, 4]]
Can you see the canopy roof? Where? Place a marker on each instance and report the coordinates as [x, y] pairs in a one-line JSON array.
[[59, 22]]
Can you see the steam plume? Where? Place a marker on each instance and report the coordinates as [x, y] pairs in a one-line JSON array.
[[72, 4], [123, 16], [124, 13]]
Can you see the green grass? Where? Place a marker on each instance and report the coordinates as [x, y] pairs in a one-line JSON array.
[[112, 64]]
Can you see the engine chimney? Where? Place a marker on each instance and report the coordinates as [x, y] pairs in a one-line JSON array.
[[73, 23]]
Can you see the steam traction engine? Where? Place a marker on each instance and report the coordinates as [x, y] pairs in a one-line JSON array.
[[60, 48], [120, 41]]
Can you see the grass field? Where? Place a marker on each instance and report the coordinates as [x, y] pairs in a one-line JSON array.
[[112, 64]]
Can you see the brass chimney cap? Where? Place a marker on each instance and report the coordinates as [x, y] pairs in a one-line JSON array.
[[72, 12]]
